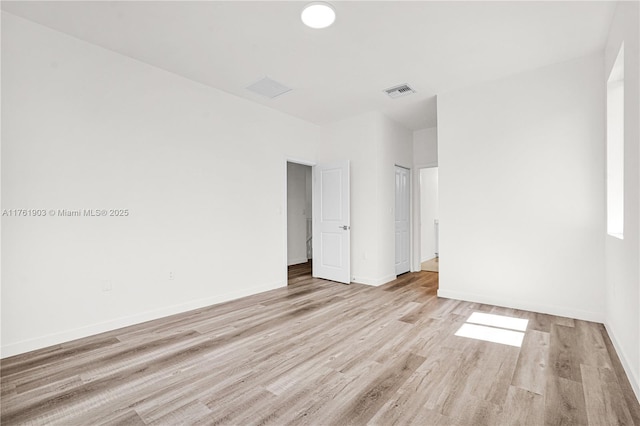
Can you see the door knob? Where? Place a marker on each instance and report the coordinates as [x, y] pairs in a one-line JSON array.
[[345, 227]]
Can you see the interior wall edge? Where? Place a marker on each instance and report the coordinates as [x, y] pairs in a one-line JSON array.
[[624, 359], [508, 302], [417, 167]]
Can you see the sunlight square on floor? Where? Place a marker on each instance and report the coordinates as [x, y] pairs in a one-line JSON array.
[[500, 321], [494, 328]]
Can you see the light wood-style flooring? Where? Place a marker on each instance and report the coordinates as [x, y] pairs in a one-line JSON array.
[[431, 265], [323, 353]]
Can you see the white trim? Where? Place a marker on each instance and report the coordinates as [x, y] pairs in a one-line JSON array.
[[302, 162], [374, 281], [416, 233], [411, 215], [526, 306], [633, 380], [23, 346]]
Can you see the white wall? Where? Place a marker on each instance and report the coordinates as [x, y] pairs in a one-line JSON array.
[[521, 172], [425, 154], [85, 128], [374, 145], [355, 140], [425, 147], [428, 212], [297, 212], [623, 256], [397, 150]]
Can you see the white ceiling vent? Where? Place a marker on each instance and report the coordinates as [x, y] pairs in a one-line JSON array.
[[268, 88], [398, 91]]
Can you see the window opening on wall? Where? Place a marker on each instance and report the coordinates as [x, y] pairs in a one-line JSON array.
[[615, 148]]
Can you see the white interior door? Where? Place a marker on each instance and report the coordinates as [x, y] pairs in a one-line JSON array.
[[331, 222], [402, 220]]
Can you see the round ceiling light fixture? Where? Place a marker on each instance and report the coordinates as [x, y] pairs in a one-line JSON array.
[[318, 14]]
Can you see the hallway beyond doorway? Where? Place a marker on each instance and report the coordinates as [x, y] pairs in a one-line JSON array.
[[431, 265]]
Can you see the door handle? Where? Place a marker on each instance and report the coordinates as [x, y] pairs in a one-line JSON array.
[[345, 227]]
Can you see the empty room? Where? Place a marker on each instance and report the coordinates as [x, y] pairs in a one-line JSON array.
[[233, 213]]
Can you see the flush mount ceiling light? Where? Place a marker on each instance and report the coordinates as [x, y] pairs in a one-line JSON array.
[[318, 14]]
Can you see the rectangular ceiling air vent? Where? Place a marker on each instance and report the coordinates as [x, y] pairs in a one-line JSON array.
[[398, 91], [268, 88]]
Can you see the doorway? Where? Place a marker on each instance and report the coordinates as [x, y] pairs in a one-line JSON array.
[[402, 217], [317, 220], [429, 222], [299, 221]]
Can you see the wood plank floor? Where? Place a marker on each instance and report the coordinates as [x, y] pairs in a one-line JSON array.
[[431, 265], [322, 353]]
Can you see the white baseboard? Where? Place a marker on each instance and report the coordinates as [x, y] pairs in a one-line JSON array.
[[624, 359], [373, 281], [520, 304], [297, 261], [23, 346]]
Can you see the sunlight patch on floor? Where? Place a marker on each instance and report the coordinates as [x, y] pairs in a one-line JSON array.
[[500, 321], [494, 328]]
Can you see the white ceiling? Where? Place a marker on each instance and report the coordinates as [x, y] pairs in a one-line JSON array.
[[340, 71]]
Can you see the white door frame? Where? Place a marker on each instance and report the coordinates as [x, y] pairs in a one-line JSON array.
[[416, 232], [409, 211], [283, 212]]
